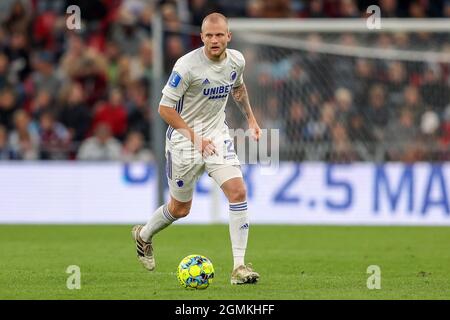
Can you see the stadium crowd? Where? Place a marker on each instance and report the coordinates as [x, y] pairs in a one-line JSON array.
[[84, 94], [343, 109]]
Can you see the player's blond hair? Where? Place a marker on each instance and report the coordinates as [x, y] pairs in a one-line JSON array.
[[215, 17]]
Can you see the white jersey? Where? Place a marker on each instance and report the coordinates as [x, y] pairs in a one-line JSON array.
[[202, 87]]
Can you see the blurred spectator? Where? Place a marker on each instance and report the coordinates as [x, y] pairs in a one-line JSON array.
[[43, 6], [45, 77], [429, 123], [133, 148], [92, 77], [434, 91], [145, 18], [113, 56], [413, 102], [139, 113], [174, 50], [389, 8], [264, 86], [4, 37], [44, 28], [42, 101], [344, 105], [19, 57], [384, 41], [74, 113], [377, 111], [296, 122], [4, 72], [364, 70], [254, 9], [19, 15], [349, 9], [297, 84], [397, 81], [126, 33], [273, 117], [277, 9], [100, 147], [171, 20], [319, 67], [7, 107], [429, 137], [327, 118], [141, 65], [445, 130], [54, 138], [401, 135], [402, 40], [5, 151], [360, 130], [446, 8], [318, 129], [113, 113], [24, 139], [75, 55], [316, 9], [123, 72], [344, 67], [341, 147], [313, 104], [417, 9]]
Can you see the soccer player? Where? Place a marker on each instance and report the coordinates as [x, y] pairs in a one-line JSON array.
[[197, 139]]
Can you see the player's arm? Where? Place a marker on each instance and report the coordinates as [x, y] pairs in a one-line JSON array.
[[240, 96], [175, 88], [173, 118]]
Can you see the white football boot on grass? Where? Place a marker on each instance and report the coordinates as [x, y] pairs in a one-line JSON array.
[[144, 249], [244, 274]]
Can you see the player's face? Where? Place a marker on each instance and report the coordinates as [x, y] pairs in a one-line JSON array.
[[215, 37]]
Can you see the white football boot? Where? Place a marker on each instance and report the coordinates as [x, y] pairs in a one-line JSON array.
[[244, 274], [144, 249]]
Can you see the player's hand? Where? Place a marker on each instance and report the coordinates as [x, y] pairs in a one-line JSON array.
[[255, 129], [206, 147]]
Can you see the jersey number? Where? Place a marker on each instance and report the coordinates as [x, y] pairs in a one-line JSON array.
[[230, 146]]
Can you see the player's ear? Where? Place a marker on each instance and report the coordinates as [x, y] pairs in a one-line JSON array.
[[229, 36]]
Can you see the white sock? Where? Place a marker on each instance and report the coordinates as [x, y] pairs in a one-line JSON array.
[[159, 220], [239, 225]]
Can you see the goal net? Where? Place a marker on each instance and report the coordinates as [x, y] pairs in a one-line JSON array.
[[339, 92]]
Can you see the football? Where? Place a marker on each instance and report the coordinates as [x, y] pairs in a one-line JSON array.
[[195, 272]]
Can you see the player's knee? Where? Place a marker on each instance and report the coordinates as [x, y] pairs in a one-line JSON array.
[[181, 210], [238, 194]]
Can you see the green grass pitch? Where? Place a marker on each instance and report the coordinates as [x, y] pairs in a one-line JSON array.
[[295, 262]]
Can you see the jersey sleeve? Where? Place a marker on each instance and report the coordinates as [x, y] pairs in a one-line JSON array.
[[178, 82]]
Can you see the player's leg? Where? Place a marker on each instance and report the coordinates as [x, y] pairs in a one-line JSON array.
[[235, 192], [181, 177], [163, 217], [230, 179]]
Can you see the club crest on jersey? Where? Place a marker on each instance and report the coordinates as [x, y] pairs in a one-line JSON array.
[[179, 183], [174, 79], [233, 75], [217, 92]]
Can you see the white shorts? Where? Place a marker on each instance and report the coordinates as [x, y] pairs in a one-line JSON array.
[[185, 165]]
